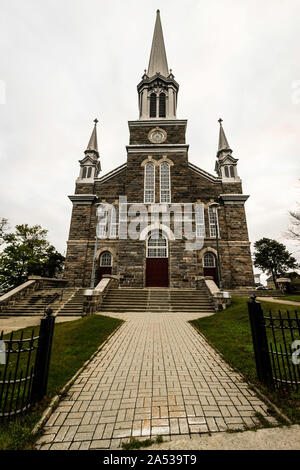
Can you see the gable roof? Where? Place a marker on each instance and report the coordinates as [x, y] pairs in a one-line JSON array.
[[205, 174], [112, 173]]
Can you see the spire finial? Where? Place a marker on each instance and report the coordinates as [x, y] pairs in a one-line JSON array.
[[158, 58], [220, 121], [93, 144]]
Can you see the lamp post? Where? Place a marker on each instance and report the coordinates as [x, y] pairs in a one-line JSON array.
[[94, 261], [215, 206]]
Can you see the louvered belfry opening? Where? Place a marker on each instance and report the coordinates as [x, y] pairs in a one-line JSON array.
[[153, 105], [162, 105]]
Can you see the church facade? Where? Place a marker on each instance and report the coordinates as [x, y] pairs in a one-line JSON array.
[[157, 190]]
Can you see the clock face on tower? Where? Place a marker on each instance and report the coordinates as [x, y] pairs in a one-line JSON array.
[[157, 135]]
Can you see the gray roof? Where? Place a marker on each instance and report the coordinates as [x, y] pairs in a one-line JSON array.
[[158, 58]]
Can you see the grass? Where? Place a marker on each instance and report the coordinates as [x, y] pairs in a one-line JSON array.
[[229, 332], [73, 344], [136, 444]]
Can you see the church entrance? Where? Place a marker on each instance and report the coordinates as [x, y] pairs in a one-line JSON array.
[[105, 264], [210, 266], [157, 266]]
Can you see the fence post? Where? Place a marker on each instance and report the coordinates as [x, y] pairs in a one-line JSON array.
[[41, 368], [260, 342]]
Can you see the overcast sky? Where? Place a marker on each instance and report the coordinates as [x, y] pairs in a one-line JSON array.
[[65, 62]]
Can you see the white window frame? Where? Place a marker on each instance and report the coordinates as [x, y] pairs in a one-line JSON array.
[[158, 250], [211, 221], [200, 221], [149, 190], [214, 258], [114, 222], [104, 265], [166, 192]]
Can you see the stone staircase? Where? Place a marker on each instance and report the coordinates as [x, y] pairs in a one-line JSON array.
[[66, 301], [156, 300], [74, 306]]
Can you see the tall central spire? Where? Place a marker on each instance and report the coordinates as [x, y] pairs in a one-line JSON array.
[[158, 57]]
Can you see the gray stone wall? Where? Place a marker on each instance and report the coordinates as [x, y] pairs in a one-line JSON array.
[[129, 256]]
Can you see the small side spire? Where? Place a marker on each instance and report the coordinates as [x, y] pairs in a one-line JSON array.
[[93, 143], [158, 57], [223, 142]]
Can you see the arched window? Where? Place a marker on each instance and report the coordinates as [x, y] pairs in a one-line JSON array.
[[84, 172], [105, 259], [157, 246], [89, 172], [213, 221], [153, 105], [209, 260], [226, 171], [165, 193], [162, 105], [231, 171], [149, 183]]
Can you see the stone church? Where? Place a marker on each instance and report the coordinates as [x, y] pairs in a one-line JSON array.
[[158, 174]]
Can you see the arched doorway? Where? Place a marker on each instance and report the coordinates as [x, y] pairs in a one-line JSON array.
[[210, 266], [105, 264], [157, 266]]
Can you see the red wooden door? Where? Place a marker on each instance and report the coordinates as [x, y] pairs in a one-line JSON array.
[[157, 273], [104, 270], [211, 272]]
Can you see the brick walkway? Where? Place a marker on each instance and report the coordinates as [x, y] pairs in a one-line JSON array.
[[156, 376]]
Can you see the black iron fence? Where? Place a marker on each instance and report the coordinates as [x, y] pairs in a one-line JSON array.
[[276, 344], [24, 368]]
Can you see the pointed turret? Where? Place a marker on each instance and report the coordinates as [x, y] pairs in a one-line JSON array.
[[93, 143], [90, 164], [226, 164], [158, 58], [223, 142]]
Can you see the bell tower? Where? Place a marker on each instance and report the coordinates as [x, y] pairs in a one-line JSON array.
[[158, 90]]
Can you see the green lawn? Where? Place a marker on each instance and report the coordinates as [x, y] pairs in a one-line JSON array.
[[229, 332], [73, 344]]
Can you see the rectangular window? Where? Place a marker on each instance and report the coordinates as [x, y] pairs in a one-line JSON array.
[[114, 222], [165, 193], [213, 221], [200, 221], [149, 183]]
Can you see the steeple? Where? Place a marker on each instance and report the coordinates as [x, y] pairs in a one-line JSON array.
[[158, 57], [223, 142], [158, 90], [93, 144], [90, 165], [226, 164]]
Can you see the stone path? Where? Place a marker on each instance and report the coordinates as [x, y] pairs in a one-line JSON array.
[[155, 376], [278, 301], [8, 324]]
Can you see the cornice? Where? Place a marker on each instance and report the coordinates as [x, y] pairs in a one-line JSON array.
[[82, 199]]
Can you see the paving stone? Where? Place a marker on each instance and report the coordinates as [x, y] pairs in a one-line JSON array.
[[156, 375]]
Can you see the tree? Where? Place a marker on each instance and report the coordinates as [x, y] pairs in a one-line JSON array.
[[26, 253], [3, 228], [294, 230], [273, 258]]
